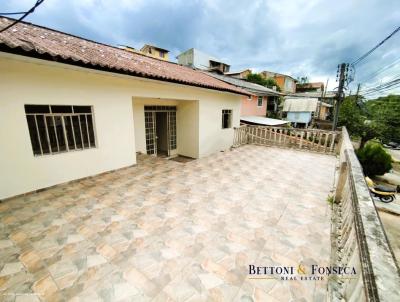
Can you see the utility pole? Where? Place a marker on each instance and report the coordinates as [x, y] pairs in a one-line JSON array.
[[342, 77], [358, 91]]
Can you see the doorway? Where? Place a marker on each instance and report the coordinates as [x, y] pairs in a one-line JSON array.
[[160, 128]]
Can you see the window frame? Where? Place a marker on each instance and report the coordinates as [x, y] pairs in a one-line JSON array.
[[229, 113], [78, 145], [258, 101]]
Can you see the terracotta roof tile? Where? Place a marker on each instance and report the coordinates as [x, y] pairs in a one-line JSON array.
[[36, 41]]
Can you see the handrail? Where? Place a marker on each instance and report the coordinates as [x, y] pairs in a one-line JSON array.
[[358, 237], [309, 139]]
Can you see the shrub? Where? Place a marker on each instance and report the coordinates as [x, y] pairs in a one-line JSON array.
[[374, 159]]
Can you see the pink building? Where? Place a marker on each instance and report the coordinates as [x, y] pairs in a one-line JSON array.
[[254, 105]]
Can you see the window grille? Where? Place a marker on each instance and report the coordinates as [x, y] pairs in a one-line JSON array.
[[226, 118], [55, 129], [150, 129], [172, 130]]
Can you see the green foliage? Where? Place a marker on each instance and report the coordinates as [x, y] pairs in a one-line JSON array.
[[330, 199], [351, 116], [355, 116], [385, 112], [259, 79], [379, 118], [374, 159], [303, 80]]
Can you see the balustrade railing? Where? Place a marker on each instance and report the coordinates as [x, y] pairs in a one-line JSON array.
[[358, 238], [308, 139]]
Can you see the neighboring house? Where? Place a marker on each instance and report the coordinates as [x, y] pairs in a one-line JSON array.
[[200, 60], [72, 108], [155, 52], [310, 87], [301, 110], [258, 104], [286, 83], [322, 118], [239, 74]]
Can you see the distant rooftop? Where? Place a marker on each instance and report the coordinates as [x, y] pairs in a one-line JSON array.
[[153, 46], [249, 86], [271, 74]]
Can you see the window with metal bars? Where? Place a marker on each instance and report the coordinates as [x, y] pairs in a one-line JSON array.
[[226, 118], [54, 129]]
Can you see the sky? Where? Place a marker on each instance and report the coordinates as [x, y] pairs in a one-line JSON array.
[[295, 37]]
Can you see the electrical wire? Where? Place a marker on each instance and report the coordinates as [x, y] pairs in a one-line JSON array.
[[375, 47], [389, 77], [9, 14], [385, 87], [31, 10], [379, 71]]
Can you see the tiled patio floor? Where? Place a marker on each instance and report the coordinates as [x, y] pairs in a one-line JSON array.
[[167, 231]]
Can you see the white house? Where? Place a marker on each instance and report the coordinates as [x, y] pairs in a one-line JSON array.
[[201, 60], [72, 108], [300, 110]]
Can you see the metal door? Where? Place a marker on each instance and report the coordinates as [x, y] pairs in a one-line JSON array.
[[151, 137], [171, 130]]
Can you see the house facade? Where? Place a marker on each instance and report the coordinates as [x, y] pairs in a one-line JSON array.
[[286, 83], [258, 105], [301, 111], [200, 60], [72, 108], [155, 52], [242, 74], [310, 87]]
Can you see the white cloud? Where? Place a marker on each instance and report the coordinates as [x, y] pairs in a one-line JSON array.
[[298, 37]]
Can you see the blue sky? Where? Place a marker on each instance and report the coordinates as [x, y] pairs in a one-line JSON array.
[[297, 37]]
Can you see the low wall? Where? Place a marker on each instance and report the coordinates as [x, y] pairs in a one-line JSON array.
[[358, 238]]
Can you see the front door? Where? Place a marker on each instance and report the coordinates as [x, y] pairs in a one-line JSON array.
[[160, 128]]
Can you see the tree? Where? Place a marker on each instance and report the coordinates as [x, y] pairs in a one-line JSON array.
[[374, 159], [385, 111], [302, 80], [260, 80], [378, 118], [354, 116]]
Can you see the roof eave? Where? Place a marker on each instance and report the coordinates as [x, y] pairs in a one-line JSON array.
[[57, 58]]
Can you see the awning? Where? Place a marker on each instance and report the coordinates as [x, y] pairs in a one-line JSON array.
[[260, 120]]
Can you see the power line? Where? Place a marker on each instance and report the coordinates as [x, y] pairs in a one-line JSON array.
[[25, 14], [383, 87], [374, 48], [379, 71], [389, 77], [9, 14]]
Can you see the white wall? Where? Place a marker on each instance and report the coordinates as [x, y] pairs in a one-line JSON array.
[[187, 128], [187, 131], [212, 137], [20, 170], [32, 81]]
